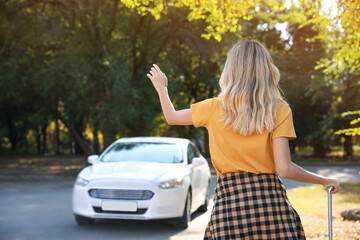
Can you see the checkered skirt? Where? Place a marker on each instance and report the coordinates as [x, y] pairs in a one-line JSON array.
[[252, 206]]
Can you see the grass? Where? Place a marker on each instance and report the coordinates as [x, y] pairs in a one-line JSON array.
[[303, 155], [337, 151], [311, 204], [327, 160]]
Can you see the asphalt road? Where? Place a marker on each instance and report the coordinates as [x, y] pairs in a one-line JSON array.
[[37, 210]]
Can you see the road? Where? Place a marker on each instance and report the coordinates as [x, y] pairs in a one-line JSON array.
[[36, 210]]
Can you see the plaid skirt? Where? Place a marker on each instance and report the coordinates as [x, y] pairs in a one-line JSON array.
[[252, 206]]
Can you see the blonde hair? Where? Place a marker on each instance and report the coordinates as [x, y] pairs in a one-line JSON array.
[[250, 93]]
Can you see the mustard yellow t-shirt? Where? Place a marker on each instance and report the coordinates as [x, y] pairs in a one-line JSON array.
[[232, 152]]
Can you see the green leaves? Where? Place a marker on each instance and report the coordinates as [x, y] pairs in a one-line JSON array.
[[88, 59], [350, 131], [221, 16], [340, 29]]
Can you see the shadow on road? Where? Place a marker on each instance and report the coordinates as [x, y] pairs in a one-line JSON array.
[[132, 229], [165, 226]]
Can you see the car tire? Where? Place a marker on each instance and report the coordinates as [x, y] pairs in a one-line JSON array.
[[184, 220], [80, 220], [204, 207]]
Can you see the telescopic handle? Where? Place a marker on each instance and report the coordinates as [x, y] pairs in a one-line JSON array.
[[330, 211]]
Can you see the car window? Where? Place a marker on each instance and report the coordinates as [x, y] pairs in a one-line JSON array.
[[190, 153], [144, 152]]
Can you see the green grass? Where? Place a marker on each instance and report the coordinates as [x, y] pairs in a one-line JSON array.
[[311, 160], [311, 204], [304, 151], [303, 155], [335, 151]]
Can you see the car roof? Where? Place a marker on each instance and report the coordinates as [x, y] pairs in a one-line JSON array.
[[155, 139]]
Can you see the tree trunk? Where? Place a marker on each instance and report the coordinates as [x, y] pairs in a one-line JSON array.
[[57, 137], [12, 133], [43, 131], [96, 145], [348, 149], [38, 140], [108, 134], [79, 129], [26, 144], [319, 149], [104, 126], [292, 145], [70, 136], [348, 102], [74, 133], [22, 138]]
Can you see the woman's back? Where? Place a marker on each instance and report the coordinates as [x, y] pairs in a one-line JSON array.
[[233, 152]]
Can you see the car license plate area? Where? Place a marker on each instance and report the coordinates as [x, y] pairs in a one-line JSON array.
[[120, 206]]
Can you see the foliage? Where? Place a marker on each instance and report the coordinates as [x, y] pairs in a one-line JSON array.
[[220, 16], [350, 131], [83, 64], [339, 29]]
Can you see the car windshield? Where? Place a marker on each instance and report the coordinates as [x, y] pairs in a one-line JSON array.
[[144, 152]]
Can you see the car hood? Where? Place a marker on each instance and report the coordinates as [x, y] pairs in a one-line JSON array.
[[132, 170]]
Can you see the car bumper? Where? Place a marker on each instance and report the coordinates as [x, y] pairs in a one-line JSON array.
[[165, 203]]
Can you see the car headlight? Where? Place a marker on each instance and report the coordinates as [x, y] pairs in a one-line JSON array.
[[171, 183], [81, 181]]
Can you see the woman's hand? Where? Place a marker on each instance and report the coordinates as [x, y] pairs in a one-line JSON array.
[[332, 182], [158, 78], [172, 117]]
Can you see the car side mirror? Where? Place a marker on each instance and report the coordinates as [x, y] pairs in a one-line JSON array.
[[92, 159], [198, 161]]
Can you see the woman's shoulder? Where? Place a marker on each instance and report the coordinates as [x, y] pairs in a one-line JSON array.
[[209, 101], [207, 106], [215, 103], [284, 112], [202, 111], [284, 108]]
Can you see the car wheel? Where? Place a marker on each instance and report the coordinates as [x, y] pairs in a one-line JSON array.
[[204, 207], [80, 220], [184, 221]]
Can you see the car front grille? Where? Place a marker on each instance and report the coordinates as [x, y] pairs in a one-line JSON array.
[[123, 194], [139, 211]]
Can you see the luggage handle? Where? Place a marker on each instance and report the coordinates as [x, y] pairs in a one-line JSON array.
[[330, 211]]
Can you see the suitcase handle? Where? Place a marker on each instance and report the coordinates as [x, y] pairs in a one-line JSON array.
[[330, 211]]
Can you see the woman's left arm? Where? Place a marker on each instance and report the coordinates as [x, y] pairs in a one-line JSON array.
[[173, 117]]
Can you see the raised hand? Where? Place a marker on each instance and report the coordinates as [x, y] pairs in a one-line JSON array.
[[158, 78]]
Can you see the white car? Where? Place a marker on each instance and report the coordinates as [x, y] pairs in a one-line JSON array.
[[143, 178]]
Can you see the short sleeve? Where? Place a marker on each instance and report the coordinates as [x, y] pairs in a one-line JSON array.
[[201, 112], [284, 126]]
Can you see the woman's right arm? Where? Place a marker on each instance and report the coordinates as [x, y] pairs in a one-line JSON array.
[[287, 169], [172, 117]]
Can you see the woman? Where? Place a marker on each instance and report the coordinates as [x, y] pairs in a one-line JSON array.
[[249, 126]]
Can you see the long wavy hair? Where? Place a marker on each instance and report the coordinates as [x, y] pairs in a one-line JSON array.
[[250, 93]]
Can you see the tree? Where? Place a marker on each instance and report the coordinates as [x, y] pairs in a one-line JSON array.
[[351, 131], [340, 33]]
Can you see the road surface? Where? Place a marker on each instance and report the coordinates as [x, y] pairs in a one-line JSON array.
[[41, 210]]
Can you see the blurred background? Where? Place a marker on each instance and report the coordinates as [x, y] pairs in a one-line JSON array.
[[73, 75]]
